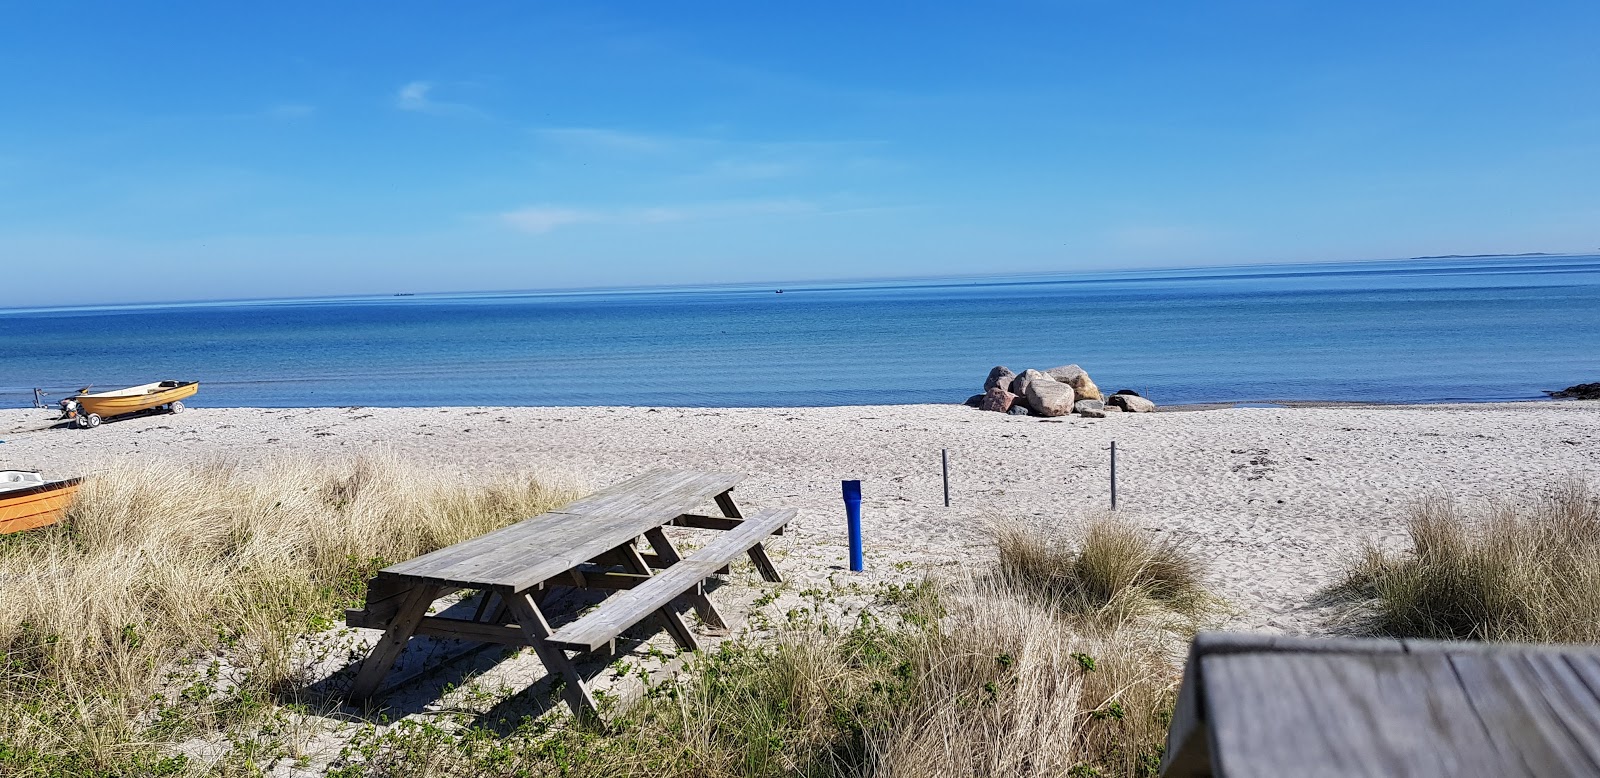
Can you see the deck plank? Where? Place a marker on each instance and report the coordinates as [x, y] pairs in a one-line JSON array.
[[1269, 705]]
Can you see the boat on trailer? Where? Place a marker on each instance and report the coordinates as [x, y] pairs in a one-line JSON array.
[[28, 501], [89, 409]]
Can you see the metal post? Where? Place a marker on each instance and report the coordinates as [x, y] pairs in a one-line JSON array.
[[944, 460], [1113, 475], [37, 394], [852, 512]]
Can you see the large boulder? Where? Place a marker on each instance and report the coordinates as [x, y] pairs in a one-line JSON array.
[[1000, 376], [1065, 373], [1019, 385], [1093, 409], [1579, 392], [998, 400], [974, 401], [1050, 398], [1085, 387], [1131, 403]]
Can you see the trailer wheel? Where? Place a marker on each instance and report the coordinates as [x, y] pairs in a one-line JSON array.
[[93, 420], [176, 406], [81, 422]]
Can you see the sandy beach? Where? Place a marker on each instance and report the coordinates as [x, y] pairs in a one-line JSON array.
[[1274, 499]]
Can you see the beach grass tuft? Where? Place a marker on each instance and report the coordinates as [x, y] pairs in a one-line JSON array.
[[1524, 570], [167, 603], [1106, 570]]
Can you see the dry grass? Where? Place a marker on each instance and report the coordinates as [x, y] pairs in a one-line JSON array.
[[1525, 571], [1059, 660], [158, 563], [1107, 571], [988, 674]]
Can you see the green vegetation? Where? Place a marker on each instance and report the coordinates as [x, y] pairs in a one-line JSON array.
[[1521, 572], [164, 630], [167, 604]]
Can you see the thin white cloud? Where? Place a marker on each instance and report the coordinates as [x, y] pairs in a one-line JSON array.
[[418, 96], [608, 139], [541, 219], [414, 97]]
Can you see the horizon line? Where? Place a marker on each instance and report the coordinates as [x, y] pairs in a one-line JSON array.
[[798, 284]]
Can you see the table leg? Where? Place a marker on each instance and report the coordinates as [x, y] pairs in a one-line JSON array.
[[697, 597], [675, 626], [758, 552], [393, 642], [536, 629]]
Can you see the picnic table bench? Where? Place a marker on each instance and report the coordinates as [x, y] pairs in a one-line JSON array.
[[589, 544]]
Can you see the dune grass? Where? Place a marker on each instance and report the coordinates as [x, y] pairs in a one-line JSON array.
[[175, 602], [1518, 571], [1106, 572], [986, 674], [158, 565]]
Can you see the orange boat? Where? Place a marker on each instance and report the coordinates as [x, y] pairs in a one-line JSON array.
[[28, 501], [89, 409]]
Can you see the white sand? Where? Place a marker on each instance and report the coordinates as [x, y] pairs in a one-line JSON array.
[[1274, 499]]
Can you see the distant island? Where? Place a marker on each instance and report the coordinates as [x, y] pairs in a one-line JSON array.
[[1486, 256]]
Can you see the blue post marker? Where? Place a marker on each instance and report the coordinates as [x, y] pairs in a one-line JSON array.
[[852, 511]]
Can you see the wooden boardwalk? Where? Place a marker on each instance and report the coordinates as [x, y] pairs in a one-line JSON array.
[[1267, 706]]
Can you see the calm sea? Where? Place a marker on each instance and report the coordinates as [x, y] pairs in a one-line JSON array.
[[1434, 330]]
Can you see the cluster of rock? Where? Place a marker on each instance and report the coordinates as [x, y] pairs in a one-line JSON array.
[[1579, 392], [1054, 392]]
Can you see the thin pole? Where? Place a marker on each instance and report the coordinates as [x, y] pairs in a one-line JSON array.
[[1113, 475], [944, 460]]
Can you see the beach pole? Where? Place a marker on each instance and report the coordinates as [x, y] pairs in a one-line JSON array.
[[852, 512], [944, 461], [1113, 475]]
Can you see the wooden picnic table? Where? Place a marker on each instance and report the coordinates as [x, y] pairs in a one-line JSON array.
[[589, 544]]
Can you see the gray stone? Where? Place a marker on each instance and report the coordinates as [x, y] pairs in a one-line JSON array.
[[1065, 373], [1001, 376], [1093, 409], [1050, 398], [1131, 403], [1113, 409], [974, 401], [998, 400], [1579, 392], [1019, 410], [1129, 391], [1019, 385]]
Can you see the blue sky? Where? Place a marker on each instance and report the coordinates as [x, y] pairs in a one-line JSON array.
[[164, 151]]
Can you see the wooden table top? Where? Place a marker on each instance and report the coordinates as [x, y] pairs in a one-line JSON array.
[[525, 554]]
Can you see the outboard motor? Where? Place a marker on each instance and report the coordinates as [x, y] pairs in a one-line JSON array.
[[69, 408]]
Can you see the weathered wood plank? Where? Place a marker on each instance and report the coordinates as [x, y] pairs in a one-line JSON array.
[[517, 557], [394, 641], [702, 604], [536, 633], [1266, 706], [619, 613]]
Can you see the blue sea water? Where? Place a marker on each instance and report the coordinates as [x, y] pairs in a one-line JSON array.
[[1425, 330]]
